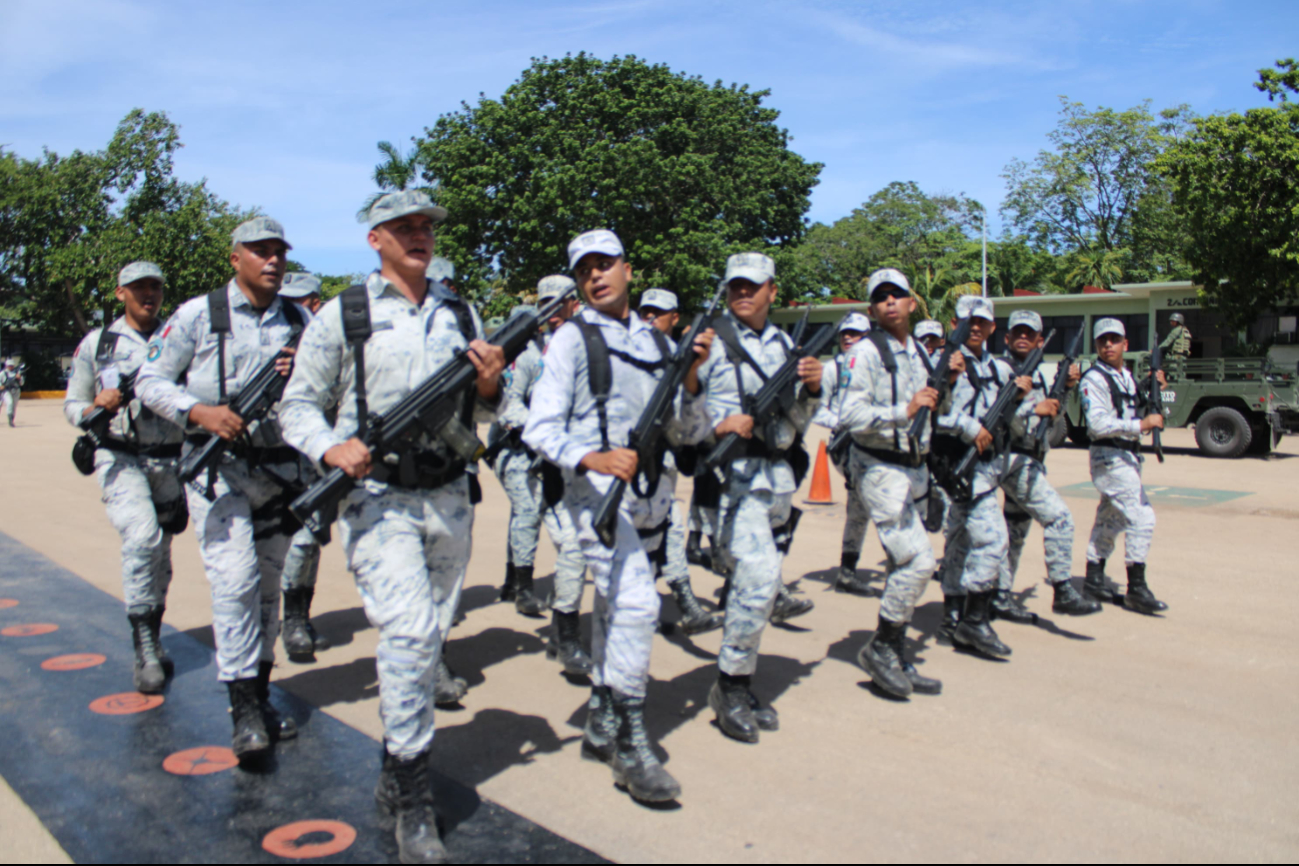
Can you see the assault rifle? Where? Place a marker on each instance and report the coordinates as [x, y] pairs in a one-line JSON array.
[[644, 437], [997, 421], [252, 403], [1059, 386], [775, 397], [940, 375], [96, 423], [432, 408], [1156, 398]]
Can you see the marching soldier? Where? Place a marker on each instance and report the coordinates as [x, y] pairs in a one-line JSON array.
[[405, 529], [11, 387], [134, 463], [1117, 418], [600, 370], [755, 514], [215, 344]]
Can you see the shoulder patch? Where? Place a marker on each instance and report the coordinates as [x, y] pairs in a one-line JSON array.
[[155, 350]]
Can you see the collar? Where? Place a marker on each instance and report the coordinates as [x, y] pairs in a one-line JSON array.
[[769, 331], [239, 299], [595, 317]]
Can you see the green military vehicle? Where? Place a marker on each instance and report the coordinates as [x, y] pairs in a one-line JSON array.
[[1236, 405]]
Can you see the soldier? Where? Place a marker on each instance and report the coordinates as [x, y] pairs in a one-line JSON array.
[[215, 345], [11, 387], [302, 562], [755, 513], [135, 463], [976, 537], [1030, 496], [600, 371], [889, 386], [520, 470], [1117, 418], [1178, 342], [930, 334], [406, 530], [658, 307], [834, 387]]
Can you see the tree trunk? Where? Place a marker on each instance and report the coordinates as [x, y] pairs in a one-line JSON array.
[[73, 304]]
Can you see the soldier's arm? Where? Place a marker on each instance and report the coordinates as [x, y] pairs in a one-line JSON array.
[[1169, 340], [1098, 408], [81, 384], [552, 400], [859, 412], [514, 406], [955, 422], [312, 388]]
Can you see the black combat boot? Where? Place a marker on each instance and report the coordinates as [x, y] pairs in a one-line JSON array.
[[635, 766], [148, 675], [1070, 602], [1139, 597], [525, 600], [788, 606], [320, 642], [386, 794], [601, 726], [1005, 606], [155, 628], [847, 580], [952, 607], [765, 716], [882, 661], [297, 639], [975, 629], [418, 840], [729, 699], [695, 551], [566, 645], [508, 589], [1097, 585], [448, 688], [920, 684], [250, 741], [279, 727], [694, 619]]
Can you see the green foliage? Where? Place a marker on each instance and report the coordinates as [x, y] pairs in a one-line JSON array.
[[69, 224], [43, 371], [1102, 268], [397, 172], [1235, 181], [686, 173], [332, 285]]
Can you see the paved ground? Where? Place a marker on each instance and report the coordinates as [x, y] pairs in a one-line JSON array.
[[1114, 737]]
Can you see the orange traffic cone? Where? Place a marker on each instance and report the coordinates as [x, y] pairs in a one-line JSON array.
[[820, 491]]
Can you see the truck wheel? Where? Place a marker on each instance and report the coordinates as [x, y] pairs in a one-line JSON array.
[[1223, 432], [1077, 433], [1059, 432]]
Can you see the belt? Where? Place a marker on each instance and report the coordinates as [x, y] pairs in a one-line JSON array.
[[167, 451], [419, 471], [756, 447], [894, 458], [1122, 444]]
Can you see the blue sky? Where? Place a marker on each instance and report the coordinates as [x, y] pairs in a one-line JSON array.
[[281, 104]]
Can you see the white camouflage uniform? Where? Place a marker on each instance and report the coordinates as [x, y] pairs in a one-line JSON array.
[[239, 530], [140, 490], [407, 548], [1116, 471], [519, 472], [10, 390], [757, 494], [894, 494], [563, 425], [835, 378]]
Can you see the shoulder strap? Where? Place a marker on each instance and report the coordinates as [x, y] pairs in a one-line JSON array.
[[890, 361], [599, 373], [464, 318], [218, 312], [735, 352], [661, 340], [1117, 397], [354, 309], [293, 313]]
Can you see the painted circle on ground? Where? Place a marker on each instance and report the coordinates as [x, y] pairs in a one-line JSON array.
[[73, 662], [203, 761], [125, 704], [288, 841], [8, 603], [29, 629]]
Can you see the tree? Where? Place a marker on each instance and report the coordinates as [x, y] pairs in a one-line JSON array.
[[397, 172], [69, 224], [686, 173], [1235, 181], [1102, 268]]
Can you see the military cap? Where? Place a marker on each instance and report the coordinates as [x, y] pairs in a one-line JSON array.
[[658, 299], [552, 287], [929, 328], [139, 271], [1109, 326], [887, 277], [259, 229], [298, 285], [1025, 317], [855, 322], [974, 305], [395, 205], [754, 267], [440, 270], [594, 241]]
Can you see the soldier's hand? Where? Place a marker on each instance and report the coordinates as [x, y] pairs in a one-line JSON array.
[[1162, 378], [955, 367], [218, 420], [620, 463], [109, 399], [1074, 377], [1024, 384], [983, 441], [740, 424], [284, 363], [809, 371], [1152, 422], [1047, 408], [926, 398], [703, 345], [353, 457], [489, 361]]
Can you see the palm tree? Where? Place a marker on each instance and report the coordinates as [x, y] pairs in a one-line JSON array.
[[396, 173], [1097, 268]]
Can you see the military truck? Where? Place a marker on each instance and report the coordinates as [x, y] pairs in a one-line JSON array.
[[1236, 405]]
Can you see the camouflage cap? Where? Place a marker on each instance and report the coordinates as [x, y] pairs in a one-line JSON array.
[[855, 322], [658, 299], [594, 241], [1109, 326], [754, 267], [396, 205], [440, 270], [553, 286], [929, 328], [259, 229], [974, 305], [1025, 317], [140, 271], [887, 277], [298, 285]]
